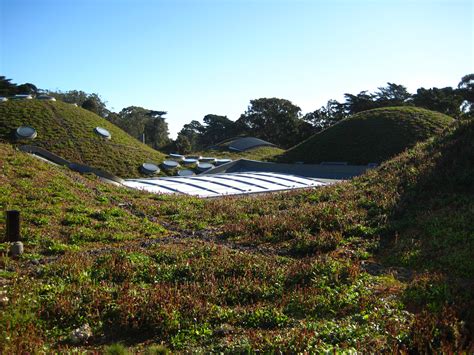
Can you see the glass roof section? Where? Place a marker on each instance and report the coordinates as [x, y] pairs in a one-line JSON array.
[[224, 184]]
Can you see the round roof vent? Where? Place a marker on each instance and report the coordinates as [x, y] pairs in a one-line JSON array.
[[204, 166], [185, 172], [189, 161], [25, 132], [222, 161], [177, 157], [102, 132], [170, 164], [149, 168]]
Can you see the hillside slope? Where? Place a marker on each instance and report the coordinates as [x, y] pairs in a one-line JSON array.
[[259, 153], [68, 131], [369, 137], [382, 263]]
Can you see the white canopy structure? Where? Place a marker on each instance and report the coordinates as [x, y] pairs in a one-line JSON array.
[[217, 185]]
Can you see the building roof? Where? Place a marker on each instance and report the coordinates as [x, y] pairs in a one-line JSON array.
[[240, 144], [217, 185]]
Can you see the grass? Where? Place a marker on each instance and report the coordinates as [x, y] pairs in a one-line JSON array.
[[68, 131], [381, 263], [259, 153], [369, 137]]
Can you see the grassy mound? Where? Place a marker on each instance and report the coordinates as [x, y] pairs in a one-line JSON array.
[[369, 137], [382, 263], [259, 153], [68, 131]]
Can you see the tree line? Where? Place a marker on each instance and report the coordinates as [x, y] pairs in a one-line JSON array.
[[281, 122], [276, 120]]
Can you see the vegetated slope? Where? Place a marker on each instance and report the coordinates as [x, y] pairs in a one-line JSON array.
[[380, 263], [259, 153], [68, 131], [369, 137]]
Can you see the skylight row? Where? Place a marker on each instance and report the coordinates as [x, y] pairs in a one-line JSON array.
[[223, 184]]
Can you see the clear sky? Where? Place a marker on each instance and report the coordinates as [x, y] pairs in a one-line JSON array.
[[196, 57]]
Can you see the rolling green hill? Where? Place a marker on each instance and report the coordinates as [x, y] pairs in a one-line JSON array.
[[68, 131], [259, 153], [369, 137], [381, 263]]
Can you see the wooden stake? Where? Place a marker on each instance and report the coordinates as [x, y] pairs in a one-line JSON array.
[[13, 226]]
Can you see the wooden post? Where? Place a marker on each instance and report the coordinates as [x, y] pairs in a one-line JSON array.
[[13, 226]]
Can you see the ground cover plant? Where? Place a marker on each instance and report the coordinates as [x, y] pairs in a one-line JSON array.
[[259, 153], [380, 263], [68, 131], [370, 136]]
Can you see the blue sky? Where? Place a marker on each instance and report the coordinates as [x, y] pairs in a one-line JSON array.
[[195, 57]]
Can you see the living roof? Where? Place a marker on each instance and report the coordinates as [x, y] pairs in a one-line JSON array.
[[380, 263], [369, 137], [242, 144], [258, 153], [68, 131]]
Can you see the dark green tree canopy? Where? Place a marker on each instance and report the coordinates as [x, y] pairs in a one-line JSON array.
[[193, 132], [445, 100], [7, 88], [275, 120], [138, 122], [217, 128], [392, 95], [466, 90], [92, 102], [325, 116]]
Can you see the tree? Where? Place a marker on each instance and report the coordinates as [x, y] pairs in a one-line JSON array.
[[275, 120], [94, 102], [217, 128], [325, 116], [445, 100], [392, 95], [91, 105], [193, 132], [360, 102], [156, 132], [27, 89], [183, 145], [466, 90], [7, 88], [137, 121]]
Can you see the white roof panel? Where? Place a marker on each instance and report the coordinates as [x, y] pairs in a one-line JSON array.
[[224, 184]]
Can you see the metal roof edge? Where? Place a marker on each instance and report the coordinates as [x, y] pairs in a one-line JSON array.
[[339, 172]]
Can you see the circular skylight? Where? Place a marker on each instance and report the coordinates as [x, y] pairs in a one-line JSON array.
[[189, 161], [170, 164], [149, 168], [25, 132], [185, 172], [177, 157], [204, 166], [103, 132]]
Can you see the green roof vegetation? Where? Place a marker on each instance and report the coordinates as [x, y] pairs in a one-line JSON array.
[[68, 131], [369, 137], [259, 153], [381, 263]]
